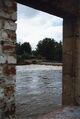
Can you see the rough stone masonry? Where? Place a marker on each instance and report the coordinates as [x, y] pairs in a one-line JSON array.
[[7, 58], [71, 51]]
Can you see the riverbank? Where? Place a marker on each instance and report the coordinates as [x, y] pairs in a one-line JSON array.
[[51, 63], [69, 112], [39, 62]]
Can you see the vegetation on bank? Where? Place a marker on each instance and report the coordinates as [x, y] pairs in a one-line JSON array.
[[48, 50]]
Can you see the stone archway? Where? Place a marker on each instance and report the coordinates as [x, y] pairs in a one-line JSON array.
[[71, 52]]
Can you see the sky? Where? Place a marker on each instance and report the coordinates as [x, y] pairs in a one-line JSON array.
[[34, 25]]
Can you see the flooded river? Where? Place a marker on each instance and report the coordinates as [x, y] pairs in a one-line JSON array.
[[38, 90]]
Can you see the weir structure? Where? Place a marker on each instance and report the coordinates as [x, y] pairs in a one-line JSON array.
[[69, 10]]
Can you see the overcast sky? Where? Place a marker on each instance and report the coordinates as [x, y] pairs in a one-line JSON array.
[[34, 25]]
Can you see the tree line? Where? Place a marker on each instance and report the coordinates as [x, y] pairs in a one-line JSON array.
[[47, 49]]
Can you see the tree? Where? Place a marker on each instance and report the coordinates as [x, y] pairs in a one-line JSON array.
[[23, 51], [26, 48], [58, 52], [50, 49], [18, 49], [46, 48]]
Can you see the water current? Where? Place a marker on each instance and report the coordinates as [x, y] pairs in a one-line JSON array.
[[38, 90]]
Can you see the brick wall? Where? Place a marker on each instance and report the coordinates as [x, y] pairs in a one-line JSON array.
[[7, 58]]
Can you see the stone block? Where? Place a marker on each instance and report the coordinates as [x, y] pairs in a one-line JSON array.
[[1, 104], [1, 23], [1, 92], [10, 111], [8, 37], [4, 35], [2, 82], [1, 70], [9, 48], [11, 36], [2, 59], [14, 16], [7, 58], [9, 90], [9, 70], [8, 9], [10, 99], [9, 25], [10, 80]]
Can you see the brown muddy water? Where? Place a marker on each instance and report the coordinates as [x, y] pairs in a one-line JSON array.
[[38, 90]]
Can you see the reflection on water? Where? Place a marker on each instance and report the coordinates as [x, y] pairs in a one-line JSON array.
[[38, 90]]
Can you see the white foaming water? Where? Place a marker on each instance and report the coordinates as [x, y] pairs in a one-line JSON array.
[[38, 67]]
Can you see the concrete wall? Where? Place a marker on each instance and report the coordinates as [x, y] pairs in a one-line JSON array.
[[71, 61], [7, 58], [77, 68]]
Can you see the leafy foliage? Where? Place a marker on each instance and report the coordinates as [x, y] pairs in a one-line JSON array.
[[24, 48], [47, 49], [50, 49], [23, 51]]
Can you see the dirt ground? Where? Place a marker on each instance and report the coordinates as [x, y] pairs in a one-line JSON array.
[[70, 112]]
